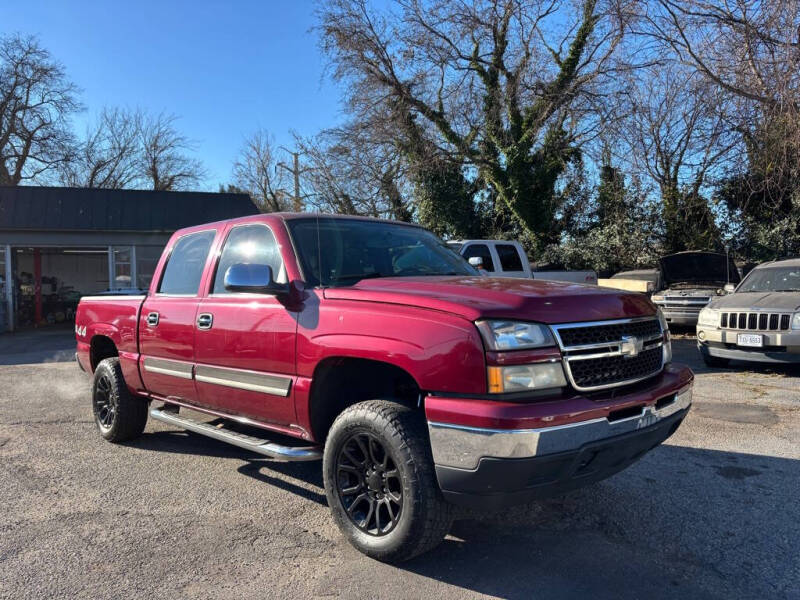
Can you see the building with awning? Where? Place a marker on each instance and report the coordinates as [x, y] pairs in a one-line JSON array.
[[58, 244]]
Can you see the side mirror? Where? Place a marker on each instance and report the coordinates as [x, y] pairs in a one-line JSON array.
[[256, 279], [729, 288], [476, 261]]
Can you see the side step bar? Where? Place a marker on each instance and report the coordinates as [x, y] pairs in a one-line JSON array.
[[248, 442]]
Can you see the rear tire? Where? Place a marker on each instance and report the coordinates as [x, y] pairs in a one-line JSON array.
[[118, 414], [380, 481]]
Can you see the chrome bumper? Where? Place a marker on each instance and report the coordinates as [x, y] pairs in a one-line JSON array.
[[462, 447]]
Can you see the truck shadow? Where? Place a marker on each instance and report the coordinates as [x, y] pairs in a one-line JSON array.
[[307, 476], [683, 522]]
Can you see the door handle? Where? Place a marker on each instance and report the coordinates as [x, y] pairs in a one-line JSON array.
[[205, 320], [152, 319]]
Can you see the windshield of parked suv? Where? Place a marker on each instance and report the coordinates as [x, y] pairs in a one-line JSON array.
[[772, 279], [355, 249]]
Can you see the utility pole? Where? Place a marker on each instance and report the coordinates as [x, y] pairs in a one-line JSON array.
[[296, 171]]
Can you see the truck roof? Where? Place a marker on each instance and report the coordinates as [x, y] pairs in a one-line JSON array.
[[291, 216]]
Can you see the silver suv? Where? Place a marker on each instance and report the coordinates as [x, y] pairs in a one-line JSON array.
[[759, 322]]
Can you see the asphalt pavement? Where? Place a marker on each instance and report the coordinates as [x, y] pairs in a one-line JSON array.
[[713, 513]]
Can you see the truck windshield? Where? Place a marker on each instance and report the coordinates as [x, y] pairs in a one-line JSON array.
[[772, 279], [353, 249]]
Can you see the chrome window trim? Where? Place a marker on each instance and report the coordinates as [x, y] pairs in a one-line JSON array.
[[607, 346]]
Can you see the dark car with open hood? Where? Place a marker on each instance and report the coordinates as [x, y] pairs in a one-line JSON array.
[[689, 280]]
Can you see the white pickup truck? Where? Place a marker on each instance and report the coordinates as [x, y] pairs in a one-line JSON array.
[[503, 258]]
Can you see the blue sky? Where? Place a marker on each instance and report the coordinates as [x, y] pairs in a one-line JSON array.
[[225, 68]]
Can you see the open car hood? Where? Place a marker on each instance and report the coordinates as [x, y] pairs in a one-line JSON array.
[[700, 268]]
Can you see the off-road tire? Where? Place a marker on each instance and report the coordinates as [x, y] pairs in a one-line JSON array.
[[129, 412], [424, 518]]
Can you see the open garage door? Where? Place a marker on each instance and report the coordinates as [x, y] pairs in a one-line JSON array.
[[49, 282]]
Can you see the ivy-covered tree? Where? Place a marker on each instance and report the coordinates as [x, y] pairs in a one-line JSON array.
[[499, 85]]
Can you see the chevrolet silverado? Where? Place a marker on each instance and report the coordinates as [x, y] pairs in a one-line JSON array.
[[370, 345]]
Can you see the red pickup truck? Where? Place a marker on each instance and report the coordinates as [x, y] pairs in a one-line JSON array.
[[372, 346]]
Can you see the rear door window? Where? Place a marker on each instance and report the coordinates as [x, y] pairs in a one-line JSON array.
[[509, 257], [482, 251], [185, 264]]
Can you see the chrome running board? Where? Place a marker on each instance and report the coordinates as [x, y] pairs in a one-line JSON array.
[[248, 442]]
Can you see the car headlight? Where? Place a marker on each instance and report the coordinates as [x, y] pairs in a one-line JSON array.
[[796, 321], [657, 298], [514, 335], [708, 317], [521, 378]]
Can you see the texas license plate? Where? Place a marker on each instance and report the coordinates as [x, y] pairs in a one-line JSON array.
[[753, 340]]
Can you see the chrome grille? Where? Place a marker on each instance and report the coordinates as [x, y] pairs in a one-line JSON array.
[[600, 354], [755, 321], [615, 370]]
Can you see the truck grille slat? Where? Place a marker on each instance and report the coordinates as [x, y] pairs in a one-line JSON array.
[[598, 355], [605, 334], [613, 370], [755, 321]]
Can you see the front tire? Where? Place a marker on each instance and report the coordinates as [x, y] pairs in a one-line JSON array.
[[118, 414], [380, 481]]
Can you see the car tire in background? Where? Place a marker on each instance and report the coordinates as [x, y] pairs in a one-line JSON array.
[[380, 481], [118, 414]]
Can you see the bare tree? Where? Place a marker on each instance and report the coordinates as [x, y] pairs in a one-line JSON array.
[[503, 83], [164, 159], [747, 48], [257, 170], [354, 169], [36, 101], [109, 155]]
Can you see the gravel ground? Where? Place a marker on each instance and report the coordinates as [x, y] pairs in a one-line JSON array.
[[713, 513]]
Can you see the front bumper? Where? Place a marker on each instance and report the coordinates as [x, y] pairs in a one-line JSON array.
[[780, 347], [681, 317], [765, 355], [486, 467]]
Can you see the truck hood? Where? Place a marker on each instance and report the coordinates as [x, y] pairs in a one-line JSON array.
[[707, 268], [481, 297], [784, 301]]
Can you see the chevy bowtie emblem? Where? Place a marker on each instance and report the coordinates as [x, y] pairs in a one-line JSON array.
[[631, 346]]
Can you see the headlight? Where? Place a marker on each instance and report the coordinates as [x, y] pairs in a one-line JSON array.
[[708, 317], [514, 335], [796, 321], [657, 298], [521, 378]]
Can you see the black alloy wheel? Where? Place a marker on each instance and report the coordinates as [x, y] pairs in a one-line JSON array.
[[119, 414], [105, 402], [368, 484]]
